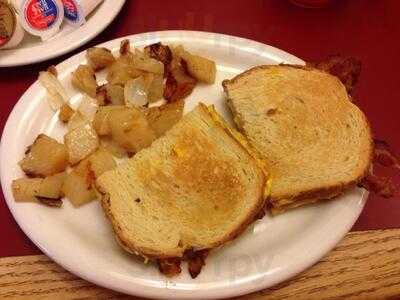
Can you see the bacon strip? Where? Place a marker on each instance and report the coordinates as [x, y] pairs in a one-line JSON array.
[[196, 261], [179, 83], [384, 156], [347, 69], [382, 186], [169, 266]]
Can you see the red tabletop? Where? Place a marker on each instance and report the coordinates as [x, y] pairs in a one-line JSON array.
[[369, 30]]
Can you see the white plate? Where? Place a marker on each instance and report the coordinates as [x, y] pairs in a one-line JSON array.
[[33, 50], [80, 240]]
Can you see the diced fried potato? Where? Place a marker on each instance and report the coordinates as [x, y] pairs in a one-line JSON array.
[[122, 70], [201, 68], [78, 189], [99, 58], [26, 189], [112, 147], [76, 120], [84, 169], [81, 142], [147, 64], [120, 123], [130, 129], [162, 118], [115, 94], [66, 113], [101, 95], [159, 52], [156, 88], [56, 93], [51, 186], [44, 157], [110, 94], [52, 70], [179, 84], [101, 161], [177, 51], [100, 122], [84, 79], [125, 47]]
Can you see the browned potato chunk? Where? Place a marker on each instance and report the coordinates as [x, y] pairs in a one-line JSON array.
[[66, 113], [52, 70], [51, 186], [124, 47], [110, 94], [177, 51], [100, 121], [146, 63], [111, 146], [122, 70], [162, 118], [115, 94], [130, 129], [101, 161], [76, 120], [99, 58], [78, 189], [201, 68], [83, 169], [26, 189], [101, 95], [84, 79], [44, 157], [81, 142]]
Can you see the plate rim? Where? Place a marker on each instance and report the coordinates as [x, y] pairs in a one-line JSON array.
[[77, 41], [236, 289]]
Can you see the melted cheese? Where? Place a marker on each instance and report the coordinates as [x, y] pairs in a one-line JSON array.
[[245, 144]]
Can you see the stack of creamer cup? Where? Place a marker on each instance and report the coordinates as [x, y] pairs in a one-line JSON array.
[[41, 18]]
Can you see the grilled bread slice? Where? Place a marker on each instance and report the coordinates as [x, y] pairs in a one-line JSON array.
[[195, 188], [316, 142]]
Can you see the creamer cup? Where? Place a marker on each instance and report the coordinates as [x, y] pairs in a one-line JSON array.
[[41, 17], [76, 11]]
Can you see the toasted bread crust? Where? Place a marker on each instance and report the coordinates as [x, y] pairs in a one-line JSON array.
[[288, 201], [130, 247], [121, 239], [255, 69], [326, 193]]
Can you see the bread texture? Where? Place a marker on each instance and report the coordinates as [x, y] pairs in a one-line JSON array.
[[197, 187], [316, 142]]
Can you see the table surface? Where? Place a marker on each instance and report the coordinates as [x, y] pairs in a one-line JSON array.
[[365, 265], [368, 30]]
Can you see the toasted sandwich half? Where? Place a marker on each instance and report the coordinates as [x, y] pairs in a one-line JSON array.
[[194, 189], [316, 142]]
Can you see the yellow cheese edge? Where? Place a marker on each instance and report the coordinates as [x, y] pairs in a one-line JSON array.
[[240, 138]]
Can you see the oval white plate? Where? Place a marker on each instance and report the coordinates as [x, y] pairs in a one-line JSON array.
[[33, 50], [80, 240]]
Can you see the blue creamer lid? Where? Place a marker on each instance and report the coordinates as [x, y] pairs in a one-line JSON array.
[[73, 12]]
